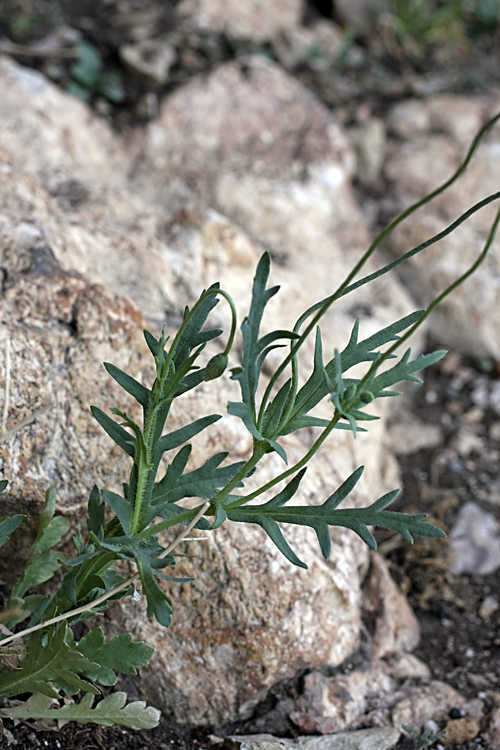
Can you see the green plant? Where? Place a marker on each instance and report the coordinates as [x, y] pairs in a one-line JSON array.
[[46, 659], [425, 738], [89, 77], [418, 24]]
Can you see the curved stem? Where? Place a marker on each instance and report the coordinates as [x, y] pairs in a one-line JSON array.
[[325, 304], [437, 301]]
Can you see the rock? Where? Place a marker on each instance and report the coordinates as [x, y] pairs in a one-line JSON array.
[[390, 619], [459, 731], [407, 434], [333, 704], [433, 700], [257, 20], [433, 137], [358, 12], [318, 46], [474, 542], [369, 143], [379, 738], [493, 734], [273, 159], [151, 59], [76, 178], [489, 605]]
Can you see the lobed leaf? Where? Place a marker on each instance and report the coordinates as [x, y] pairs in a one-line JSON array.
[[45, 663], [110, 710], [120, 655], [8, 526]]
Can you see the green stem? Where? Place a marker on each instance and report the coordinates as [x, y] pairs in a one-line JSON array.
[[293, 469], [112, 592], [437, 301], [325, 304]]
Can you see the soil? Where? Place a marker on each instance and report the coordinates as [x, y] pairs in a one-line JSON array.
[[460, 639]]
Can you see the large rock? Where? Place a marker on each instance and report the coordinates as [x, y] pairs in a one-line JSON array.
[[258, 20], [273, 159], [71, 216], [432, 139]]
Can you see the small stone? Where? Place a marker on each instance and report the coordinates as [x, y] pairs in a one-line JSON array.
[[474, 542], [488, 606], [460, 730], [151, 59], [477, 680]]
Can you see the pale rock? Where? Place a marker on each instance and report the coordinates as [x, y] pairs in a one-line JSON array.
[[258, 20], [333, 704], [489, 605], [151, 59], [493, 734], [359, 12], [433, 700], [392, 624], [407, 434], [317, 46], [369, 143], [474, 542], [75, 150], [378, 738], [459, 731], [429, 149], [263, 119]]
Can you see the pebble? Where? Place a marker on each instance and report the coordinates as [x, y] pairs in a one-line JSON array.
[[460, 730], [488, 606]]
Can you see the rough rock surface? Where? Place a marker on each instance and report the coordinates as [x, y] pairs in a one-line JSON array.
[[71, 216], [258, 20], [432, 138]]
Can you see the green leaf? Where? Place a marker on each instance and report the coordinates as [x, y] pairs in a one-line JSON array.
[[46, 662], [272, 513], [122, 438], [402, 370], [182, 435], [158, 603], [110, 710], [8, 526], [110, 85], [244, 412], [42, 561], [316, 389], [87, 70], [129, 384], [248, 377], [203, 482], [121, 507], [96, 517], [3, 485], [120, 654]]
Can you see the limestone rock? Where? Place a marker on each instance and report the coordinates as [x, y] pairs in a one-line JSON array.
[[434, 135]]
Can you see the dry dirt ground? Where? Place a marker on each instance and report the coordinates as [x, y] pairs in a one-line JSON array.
[[459, 641]]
